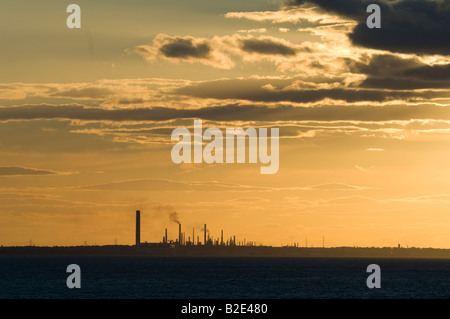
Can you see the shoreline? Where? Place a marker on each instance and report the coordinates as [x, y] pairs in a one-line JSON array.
[[161, 250]]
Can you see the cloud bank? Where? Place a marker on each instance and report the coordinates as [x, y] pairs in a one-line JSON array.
[[408, 26]]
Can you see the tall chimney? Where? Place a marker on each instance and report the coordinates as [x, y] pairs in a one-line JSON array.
[[179, 234], [221, 237], [204, 235], [166, 236], [138, 227]]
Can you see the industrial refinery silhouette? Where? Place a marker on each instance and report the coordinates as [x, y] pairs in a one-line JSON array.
[[208, 246], [183, 241]]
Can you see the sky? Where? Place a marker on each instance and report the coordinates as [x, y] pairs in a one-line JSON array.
[[86, 117]]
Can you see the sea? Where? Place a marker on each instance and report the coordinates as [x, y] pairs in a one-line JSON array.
[[222, 278]]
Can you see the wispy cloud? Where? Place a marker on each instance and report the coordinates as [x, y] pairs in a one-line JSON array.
[[232, 112], [15, 170], [293, 15]]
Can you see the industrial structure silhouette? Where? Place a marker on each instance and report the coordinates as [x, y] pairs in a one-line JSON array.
[[183, 241]]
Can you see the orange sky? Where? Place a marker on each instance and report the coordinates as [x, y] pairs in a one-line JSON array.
[[86, 117]]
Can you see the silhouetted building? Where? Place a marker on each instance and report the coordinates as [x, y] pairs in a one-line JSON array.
[[138, 227]]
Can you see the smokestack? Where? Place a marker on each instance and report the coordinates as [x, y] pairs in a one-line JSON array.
[[179, 234], [138, 227], [166, 236], [221, 237], [204, 243], [193, 236]]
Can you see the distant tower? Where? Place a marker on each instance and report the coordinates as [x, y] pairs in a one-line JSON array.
[[179, 234], [165, 240], [138, 227], [221, 237], [204, 238]]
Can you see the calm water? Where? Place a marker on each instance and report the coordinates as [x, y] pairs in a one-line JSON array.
[[151, 277]]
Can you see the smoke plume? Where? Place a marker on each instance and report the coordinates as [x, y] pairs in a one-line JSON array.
[[169, 210]]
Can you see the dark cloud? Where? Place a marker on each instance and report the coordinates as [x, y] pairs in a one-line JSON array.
[[81, 112], [349, 8], [257, 90], [184, 48], [9, 171], [383, 65], [89, 92], [230, 113], [131, 101], [394, 72], [410, 26], [267, 46], [403, 84]]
